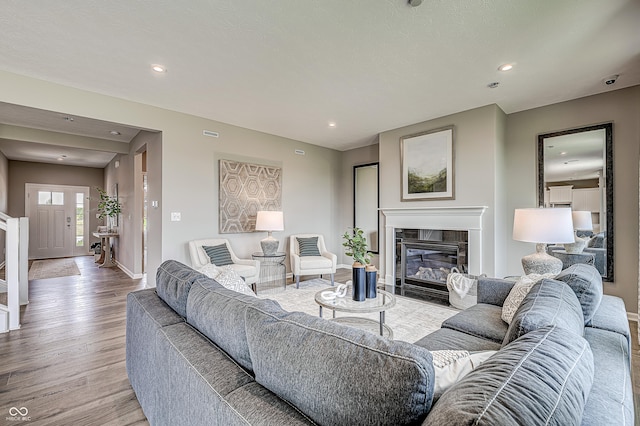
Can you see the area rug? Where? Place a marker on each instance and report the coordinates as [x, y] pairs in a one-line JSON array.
[[53, 268], [410, 319]]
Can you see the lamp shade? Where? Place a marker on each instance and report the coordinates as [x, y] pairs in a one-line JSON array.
[[582, 220], [543, 225], [269, 221]]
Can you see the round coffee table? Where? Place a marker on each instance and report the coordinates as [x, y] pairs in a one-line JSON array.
[[383, 301]]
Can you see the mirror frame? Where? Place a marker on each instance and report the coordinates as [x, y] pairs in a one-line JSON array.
[[608, 166], [374, 250]]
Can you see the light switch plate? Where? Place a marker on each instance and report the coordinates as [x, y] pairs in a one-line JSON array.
[[175, 216]]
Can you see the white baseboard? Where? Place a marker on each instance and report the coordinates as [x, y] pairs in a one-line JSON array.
[[128, 272], [1, 265], [632, 316]]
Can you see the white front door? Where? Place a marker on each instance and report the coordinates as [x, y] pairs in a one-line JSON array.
[[58, 220]]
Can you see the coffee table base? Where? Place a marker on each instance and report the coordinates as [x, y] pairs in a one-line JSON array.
[[365, 324]]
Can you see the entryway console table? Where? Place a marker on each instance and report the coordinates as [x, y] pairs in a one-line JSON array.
[[106, 260]]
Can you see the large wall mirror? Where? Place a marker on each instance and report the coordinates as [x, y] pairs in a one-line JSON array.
[[365, 202], [575, 169]]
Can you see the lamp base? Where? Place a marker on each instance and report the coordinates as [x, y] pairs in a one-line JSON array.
[[269, 245], [541, 262]]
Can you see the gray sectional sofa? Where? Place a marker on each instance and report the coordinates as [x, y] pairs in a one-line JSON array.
[[200, 354]]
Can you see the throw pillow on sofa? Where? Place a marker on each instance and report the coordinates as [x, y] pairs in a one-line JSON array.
[[586, 282], [450, 366], [542, 378], [517, 294], [549, 302], [227, 277]]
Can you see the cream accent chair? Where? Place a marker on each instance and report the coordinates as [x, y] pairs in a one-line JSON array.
[[326, 263], [248, 269]]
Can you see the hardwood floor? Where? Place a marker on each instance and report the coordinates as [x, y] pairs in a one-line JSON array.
[[66, 364]]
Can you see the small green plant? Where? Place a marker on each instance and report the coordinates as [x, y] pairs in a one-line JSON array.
[[108, 206], [356, 244]]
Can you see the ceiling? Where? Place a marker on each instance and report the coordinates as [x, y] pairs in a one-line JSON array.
[[290, 67]]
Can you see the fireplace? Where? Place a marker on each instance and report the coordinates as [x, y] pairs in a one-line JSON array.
[[422, 221], [424, 259]]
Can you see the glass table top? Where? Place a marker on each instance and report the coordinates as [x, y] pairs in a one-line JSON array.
[[383, 301]]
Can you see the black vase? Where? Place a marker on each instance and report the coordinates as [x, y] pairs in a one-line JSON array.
[[359, 285], [372, 278]]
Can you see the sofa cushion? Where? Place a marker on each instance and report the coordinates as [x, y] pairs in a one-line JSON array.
[[308, 246], [586, 282], [549, 302], [611, 399], [337, 374], [518, 386], [611, 315], [446, 338], [173, 283], [219, 254], [491, 327], [219, 314]]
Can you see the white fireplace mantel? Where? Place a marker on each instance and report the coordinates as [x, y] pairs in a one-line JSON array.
[[462, 218]]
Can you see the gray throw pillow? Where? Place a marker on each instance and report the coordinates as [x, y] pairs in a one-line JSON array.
[[542, 378], [219, 254], [586, 282], [308, 246], [549, 302], [339, 375]]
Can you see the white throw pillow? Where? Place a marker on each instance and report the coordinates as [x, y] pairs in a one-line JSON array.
[[210, 270], [231, 280], [517, 294], [451, 366]]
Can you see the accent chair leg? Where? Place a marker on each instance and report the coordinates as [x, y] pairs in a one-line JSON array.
[[332, 283], [297, 281]]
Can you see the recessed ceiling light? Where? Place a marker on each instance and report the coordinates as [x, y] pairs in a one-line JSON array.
[[114, 132], [563, 153], [158, 68], [505, 67], [332, 124]]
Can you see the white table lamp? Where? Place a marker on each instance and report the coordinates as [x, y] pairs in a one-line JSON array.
[[542, 226], [581, 222], [269, 221]]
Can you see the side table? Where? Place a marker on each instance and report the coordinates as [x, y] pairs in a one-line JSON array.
[[273, 273]]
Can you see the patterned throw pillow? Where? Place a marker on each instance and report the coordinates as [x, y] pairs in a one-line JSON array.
[[450, 366], [308, 246], [219, 255], [227, 277], [517, 294]]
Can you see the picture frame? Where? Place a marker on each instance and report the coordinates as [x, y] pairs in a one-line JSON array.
[[427, 165]]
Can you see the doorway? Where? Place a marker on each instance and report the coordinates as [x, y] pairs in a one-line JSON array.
[[58, 220]]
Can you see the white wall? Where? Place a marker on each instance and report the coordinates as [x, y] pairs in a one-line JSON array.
[[478, 146]]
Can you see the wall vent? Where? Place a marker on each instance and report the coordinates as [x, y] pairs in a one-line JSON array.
[[210, 133], [299, 152]]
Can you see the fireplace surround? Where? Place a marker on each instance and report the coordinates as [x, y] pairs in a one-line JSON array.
[[463, 218]]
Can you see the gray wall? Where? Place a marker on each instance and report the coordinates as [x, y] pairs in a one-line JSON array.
[[350, 158], [478, 147], [622, 107], [189, 182], [22, 172]]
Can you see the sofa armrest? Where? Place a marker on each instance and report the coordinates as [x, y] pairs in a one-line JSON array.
[[493, 291]]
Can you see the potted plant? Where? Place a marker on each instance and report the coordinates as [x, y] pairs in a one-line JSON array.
[[108, 207], [356, 244]]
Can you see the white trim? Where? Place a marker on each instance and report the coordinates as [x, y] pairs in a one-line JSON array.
[[463, 218], [128, 272], [632, 316]]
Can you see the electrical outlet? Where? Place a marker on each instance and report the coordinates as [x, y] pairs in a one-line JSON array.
[[175, 216]]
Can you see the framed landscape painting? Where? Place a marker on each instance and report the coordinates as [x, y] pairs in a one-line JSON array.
[[427, 165]]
